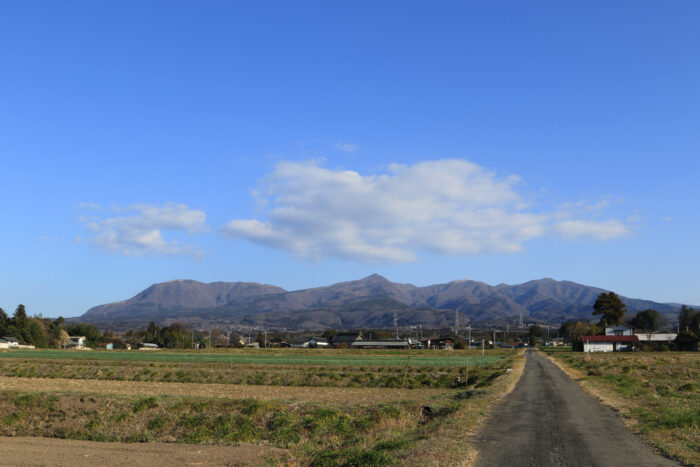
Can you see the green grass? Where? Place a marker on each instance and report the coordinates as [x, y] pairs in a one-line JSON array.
[[426, 358]]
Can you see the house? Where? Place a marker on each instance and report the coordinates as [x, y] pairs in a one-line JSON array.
[[278, 342], [444, 343], [106, 345], [609, 343], [11, 342], [314, 342], [618, 330], [77, 342], [346, 339]]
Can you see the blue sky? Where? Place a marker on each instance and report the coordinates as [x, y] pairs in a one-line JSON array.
[[304, 143]]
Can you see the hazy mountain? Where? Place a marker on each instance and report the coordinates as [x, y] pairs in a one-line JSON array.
[[179, 295], [368, 302]]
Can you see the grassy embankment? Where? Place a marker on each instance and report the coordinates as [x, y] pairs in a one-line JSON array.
[[656, 393], [313, 433]]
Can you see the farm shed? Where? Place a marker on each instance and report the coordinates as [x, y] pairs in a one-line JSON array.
[[657, 337], [148, 346], [444, 343], [382, 344], [608, 343], [346, 339], [317, 342]]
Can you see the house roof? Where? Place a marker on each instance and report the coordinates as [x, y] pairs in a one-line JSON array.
[[629, 339], [318, 339], [347, 337], [381, 343]]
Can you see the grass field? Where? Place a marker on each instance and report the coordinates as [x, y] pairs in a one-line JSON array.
[[271, 357], [657, 393], [323, 407]]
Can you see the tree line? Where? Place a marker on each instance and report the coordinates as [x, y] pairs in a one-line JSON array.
[[612, 311], [55, 333]]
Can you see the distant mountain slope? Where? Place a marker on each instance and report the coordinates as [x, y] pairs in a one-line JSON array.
[[179, 295], [368, 302]]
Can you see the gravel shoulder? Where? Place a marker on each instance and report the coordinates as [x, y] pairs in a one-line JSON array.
[[549, 420]]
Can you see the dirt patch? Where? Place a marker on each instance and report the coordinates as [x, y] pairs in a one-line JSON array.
[[352, 396], [25, 451]]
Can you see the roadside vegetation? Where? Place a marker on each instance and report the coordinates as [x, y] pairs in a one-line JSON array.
[[657, 393]]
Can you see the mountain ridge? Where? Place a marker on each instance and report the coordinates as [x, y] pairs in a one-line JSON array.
[[368, 302]]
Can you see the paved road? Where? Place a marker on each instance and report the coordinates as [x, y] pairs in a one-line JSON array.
[[549, 420]]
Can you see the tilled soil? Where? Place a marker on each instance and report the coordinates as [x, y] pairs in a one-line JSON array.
[[64, 452], [353, 396]]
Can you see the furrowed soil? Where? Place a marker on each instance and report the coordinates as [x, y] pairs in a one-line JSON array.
[[352, 396], [64, 452], [656, 393]]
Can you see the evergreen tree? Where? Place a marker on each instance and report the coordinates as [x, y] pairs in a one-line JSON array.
[[610, 308]]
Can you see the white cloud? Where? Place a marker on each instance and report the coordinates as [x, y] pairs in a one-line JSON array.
[[347, 147], [137, 231], [597, 230], [90, 206], [448, 207]]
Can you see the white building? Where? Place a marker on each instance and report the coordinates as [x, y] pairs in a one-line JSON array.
[[619, 330], [608, 343], [77, 342], [657, 337]]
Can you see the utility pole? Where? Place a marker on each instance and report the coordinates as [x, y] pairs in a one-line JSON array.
[[466, 373], [457, 323], [469, 343], [396, 325], [483, 348]]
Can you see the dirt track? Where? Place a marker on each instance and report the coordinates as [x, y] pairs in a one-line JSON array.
[[63, 452], [549, 420], [354, 396]]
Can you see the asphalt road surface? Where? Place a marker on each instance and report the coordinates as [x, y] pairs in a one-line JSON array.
[[549, 420]]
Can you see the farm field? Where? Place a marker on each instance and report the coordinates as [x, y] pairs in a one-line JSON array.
[[348, 413], [656, 393], [269, 356], [324, 368]]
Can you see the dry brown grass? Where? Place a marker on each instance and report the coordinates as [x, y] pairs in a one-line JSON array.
[[351, 396], [452, 442]]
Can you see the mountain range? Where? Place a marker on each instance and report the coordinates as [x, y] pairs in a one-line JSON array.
[[371, 302]]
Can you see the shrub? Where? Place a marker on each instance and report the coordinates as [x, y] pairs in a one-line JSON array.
[[145, 403]]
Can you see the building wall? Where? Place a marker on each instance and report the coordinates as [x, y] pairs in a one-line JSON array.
[[597, 346]]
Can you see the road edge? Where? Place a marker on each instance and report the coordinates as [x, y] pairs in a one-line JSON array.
[[610, 399], [505, 385]]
